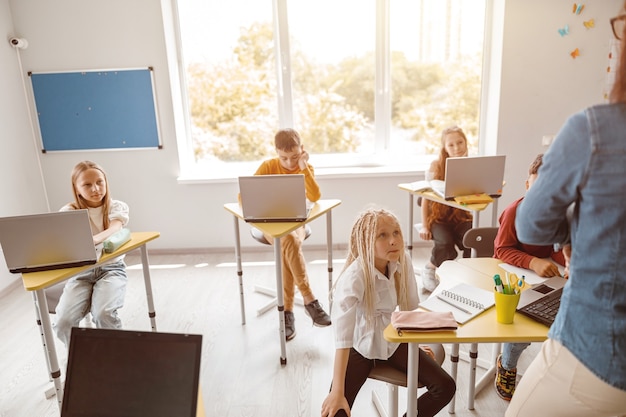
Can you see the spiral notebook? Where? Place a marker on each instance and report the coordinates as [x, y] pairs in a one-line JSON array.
[[463, 300]]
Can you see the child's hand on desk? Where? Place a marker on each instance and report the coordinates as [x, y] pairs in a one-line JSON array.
[[544, 268]]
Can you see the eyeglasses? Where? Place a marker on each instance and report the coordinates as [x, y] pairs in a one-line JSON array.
[[618, 23]]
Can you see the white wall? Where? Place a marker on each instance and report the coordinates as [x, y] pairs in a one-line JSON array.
[[541, 85]]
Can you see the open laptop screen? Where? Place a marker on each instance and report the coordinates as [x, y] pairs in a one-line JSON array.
[[131, 373]]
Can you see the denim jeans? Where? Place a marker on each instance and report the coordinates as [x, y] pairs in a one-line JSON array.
[[100, 291], [511, 353]]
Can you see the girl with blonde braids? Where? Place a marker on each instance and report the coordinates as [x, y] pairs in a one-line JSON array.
[[377, 278]]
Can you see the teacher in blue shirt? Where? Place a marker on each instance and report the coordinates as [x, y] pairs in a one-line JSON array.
[[581, 370]]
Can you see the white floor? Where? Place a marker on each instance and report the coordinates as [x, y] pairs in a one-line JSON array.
[[241, 374]]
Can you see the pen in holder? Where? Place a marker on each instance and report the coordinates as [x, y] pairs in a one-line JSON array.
[[506, 304]]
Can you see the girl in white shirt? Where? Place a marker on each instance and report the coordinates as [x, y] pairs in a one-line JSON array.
[[377, 277]]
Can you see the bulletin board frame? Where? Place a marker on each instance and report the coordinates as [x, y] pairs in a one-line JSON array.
[[109, 109]]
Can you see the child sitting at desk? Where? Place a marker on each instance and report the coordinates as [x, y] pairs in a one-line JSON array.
[[376, 279], [100, 290], [445, 225], [510, 250], [293, 159]]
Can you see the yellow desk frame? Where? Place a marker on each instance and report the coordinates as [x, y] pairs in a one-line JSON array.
[[278, 230], [481, 329], [37, 282]]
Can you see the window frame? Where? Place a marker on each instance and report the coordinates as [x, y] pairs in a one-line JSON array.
[[335, 165]]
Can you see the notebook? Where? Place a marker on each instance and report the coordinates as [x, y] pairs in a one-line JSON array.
[[273, 198], [471, 175], [41, 242], [463, 300], [541, 302], [131, 373]]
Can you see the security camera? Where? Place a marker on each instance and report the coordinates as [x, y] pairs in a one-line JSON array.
[[20, 43]]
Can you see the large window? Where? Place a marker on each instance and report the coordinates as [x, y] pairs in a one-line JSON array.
[[363, 81]]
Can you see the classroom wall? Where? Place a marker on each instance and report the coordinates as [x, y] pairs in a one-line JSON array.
[[540, 85]]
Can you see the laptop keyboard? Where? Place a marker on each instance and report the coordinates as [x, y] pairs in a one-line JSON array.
[[544, 310]]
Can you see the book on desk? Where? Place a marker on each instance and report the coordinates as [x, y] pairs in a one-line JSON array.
[[437, 187], [464, 301]]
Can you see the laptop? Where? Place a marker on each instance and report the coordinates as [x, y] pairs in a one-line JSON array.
[[273, 198], [471, 175], [42, 242], [542, 301], [131, 373]]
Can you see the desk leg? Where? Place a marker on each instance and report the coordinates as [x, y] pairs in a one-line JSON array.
[[490, 374], [329, 248], [409, 243], [48, 343], [239, 270], [412, 380], [280, 302], [148, 283], [472, 384], [454, 366]]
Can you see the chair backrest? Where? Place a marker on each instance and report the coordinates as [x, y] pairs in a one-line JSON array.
[[481, 239], [260, 237]]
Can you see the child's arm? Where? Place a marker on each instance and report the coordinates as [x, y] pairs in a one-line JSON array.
[[118, 218], [336, 399], [114, 226], [506, 247]]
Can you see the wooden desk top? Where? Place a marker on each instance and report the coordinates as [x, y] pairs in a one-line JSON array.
[[39, 280], [484, 328], [430, 195], [277, 230]]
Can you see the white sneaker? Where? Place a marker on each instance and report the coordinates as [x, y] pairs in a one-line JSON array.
[[429, 279]]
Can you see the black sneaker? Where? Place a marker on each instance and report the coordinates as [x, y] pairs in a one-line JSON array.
[[290, 325], [317, 313], [505, 381]]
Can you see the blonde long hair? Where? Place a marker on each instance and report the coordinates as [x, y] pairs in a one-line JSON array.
[[79, 201], [361, 249]]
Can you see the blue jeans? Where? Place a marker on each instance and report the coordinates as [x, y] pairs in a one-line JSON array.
[[511, 353], [100, 291]]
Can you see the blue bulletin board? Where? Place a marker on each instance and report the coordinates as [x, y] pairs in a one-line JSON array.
[[108, 109]]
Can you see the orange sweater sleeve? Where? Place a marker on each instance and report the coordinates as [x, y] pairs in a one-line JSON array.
[[273, 167]]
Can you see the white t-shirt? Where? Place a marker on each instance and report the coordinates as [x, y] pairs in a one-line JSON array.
[[348, 313]]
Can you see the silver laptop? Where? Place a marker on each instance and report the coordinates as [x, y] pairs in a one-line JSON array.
[[471, 175], [540, 291], [131, 373], [41, 242], [273, 198]]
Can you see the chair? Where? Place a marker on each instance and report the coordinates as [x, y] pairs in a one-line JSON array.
[[481, 241], [260, 237], [394, 379]]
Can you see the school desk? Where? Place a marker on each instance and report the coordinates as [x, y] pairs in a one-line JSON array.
[[475, 209], [276, 231], [482, 329], [37, 282]]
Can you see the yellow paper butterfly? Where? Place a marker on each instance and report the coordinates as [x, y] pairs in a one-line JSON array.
[[589, 23], [575, 53]]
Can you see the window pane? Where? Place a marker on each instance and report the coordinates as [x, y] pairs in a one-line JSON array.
[[436, 66], [332, 50], [228, 51]]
